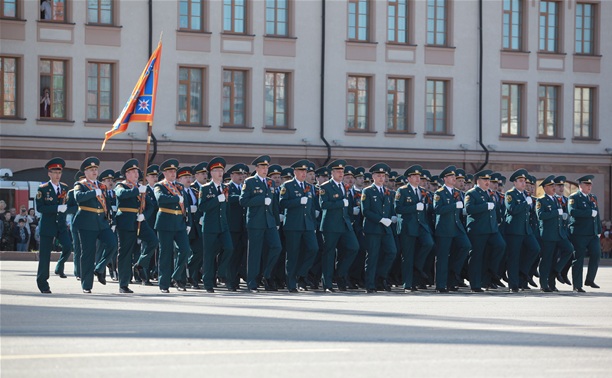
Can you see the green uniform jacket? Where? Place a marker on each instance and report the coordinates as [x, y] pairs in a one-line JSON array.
[[480, 220], [213, 211], [51, 222], [550, 222], [298, 217], [151, 208], [236, 213], [581, 221], [87, 220], [335, 217], [408, 218], [127, 199], [448, 217], [375, 206], [253, 195], [166, 200], [517, 214]]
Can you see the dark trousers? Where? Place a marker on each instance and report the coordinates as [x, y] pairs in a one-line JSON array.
[[548, 263], [233, 261], [194, 263], [347, 246], [301, 247], [76, 245], [149, 244], [257, 237], [521, 252], [214, 245], [585, 246], [495, 244], [375, 243], [413, 258], [46, 245], [168, 268], [451, 253], [128, 245], [88, 253]]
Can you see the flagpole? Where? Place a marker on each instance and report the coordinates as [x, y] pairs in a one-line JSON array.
[[145, 166]]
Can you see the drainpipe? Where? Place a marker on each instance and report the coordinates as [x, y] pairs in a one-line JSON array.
[[322, 96], [153, 139], [483, 165]]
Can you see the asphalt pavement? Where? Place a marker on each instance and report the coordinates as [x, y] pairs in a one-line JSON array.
[[309, 334]]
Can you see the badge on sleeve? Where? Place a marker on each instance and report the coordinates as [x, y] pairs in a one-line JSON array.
[[508, 198]]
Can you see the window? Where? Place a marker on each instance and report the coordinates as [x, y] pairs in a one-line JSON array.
[[8, 81], [397, 21], [548, 118], [191, 96], [8, 8], [436, 107], [585, 28], [512, 33], [277, 17], [276, 104], [99, 91], [549, 26], [358, 20], [358, 103], [191, 15], [436, 22], [584, 100], [52, 75], [511, 109], [397, 104], [100, 12], [234, 98], [53, 10], [234, 16]]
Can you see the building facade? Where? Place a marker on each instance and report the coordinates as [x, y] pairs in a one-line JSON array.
[[506, 83]]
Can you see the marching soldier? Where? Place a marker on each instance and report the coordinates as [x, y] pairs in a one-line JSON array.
[[236, 219], [337, 229], [172, 225], [149, 263], [257, 196], [94, 222], [51, 203], [584, 226], [200, 172], [185, 178], [553, 236], [449, 233], [76, 242], [131, 225], [107, 178], [297, 201], [562, 199]]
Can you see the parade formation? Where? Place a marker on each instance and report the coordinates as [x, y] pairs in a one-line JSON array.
[[332, 228]]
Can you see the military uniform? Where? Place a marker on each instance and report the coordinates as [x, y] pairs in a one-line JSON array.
[[297, 202], [194, 263], [584, 226], [236, 219], [51, 203], [109, 174], [73, 206], [257, 196]]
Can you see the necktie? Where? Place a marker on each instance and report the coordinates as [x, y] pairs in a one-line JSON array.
[[302, 186], [219, 189], [381, 191], [340, 187], [58, 191]]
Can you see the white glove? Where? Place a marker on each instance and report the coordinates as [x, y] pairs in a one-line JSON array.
[[420, 206], [188, 229], [459, 205], [281, 217], [138, 241], [98, 192], [268, 201], [464, 212], [193, 208], [62, 208], [356, 210], [142, 189], [593, 213], [140, 218], [564, 216], [385, 222], [180, 199], [317, 213], [394, 219], [113, 228], [529, 200], [304, 200], [114, 209], [201, 220], [221, 197], [560, 211], [490, 205], [345, 201]]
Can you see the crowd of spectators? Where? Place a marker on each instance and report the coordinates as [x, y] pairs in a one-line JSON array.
[[18, 231]]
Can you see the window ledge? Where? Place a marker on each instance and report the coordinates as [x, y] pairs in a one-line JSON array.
[[361, 42], [55, 122], [20, 20], [230, 34], [360, 132], [400, 134], [55, 22], [406, 44], [13, 119], [515, 138], [586, 140], [592, 56], [184, 126], [105, 124], [278, 130], [518, 52], [237, 128], [103, 26], [190, 31], [439, 136], [440, 47], [279, 36], [550, 139], [549, 53]]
